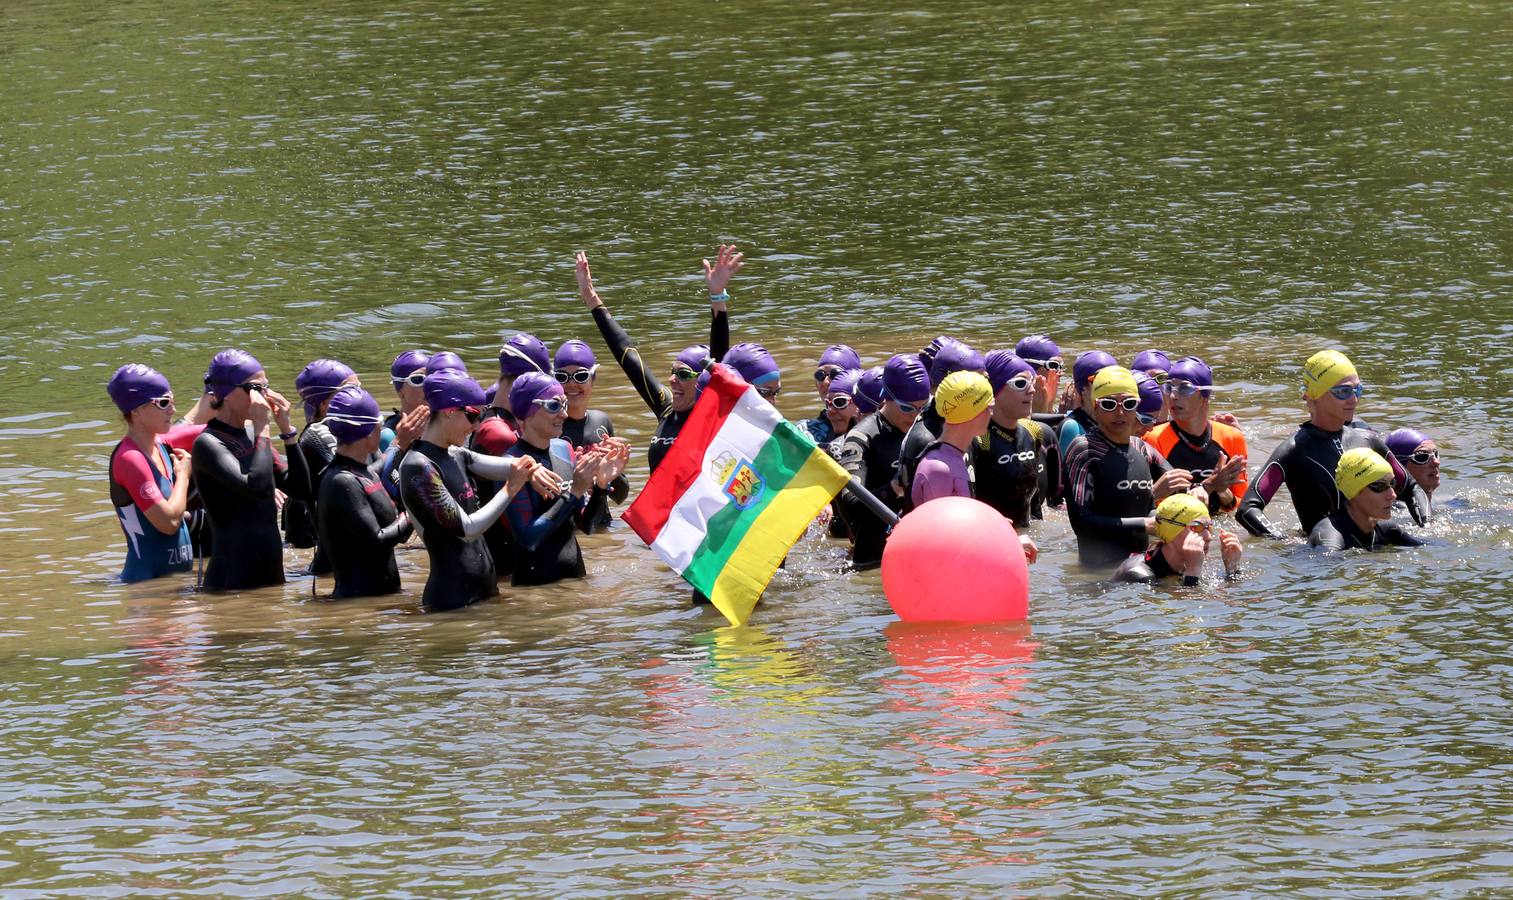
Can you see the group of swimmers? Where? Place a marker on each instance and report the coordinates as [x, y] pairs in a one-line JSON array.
[[499, 480]]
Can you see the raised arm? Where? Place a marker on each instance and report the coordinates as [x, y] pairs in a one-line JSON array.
[[717, 279], [1252, 512], [656, 397]]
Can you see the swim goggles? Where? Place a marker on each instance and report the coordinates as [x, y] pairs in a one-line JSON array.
[[768, 393], [1201, 526], [1421, 457], [415, 378], [1054, 363], [582, 376], [839, 401], [683, 373], [1143, 419], [553, 405], [163, 402], [1379, 487], [826, 373], [1019, 382], [1346, 391], [473, 413], [260, 387], [1109, 404], [1179, 388]]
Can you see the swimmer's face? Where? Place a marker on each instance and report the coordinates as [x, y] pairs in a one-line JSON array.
[[1330, 411], [1191, 408], [1118, 423], [411, 395], [840, 419], [543, 424], [683, 387], [159, 418], [458, 426], [1015, 402], [575, 389], [895, 414], [1376, 505], [1426, 474], [823, 376]]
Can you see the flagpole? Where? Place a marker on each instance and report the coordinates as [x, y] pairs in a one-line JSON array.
[[868, 499]]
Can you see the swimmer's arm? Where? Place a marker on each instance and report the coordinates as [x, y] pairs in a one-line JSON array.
[[494, 468], [1407, 490], [131, 470], [1134, 571], [1251, 514], [388, 472], [529, 529], [1326, 537], [653, 394], [1053, 485], [214, 462], [344, 505], [294, 480], [429, 488]]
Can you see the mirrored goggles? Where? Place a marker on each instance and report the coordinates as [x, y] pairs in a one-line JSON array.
[[1176, 387], [1346, 391], [826, 373]]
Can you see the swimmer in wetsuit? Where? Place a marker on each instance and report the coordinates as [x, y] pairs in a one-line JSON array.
[[544, 522], [315, 384], [870, 451], [358, 523], [237, 475], [1044, 357], [1306, 461], [671, 405], [1114, 481], [577, 370], [435, 481], [1213, 452], [1417, 453], [1184, 531], [840, 412], [836, 360], [1079, 402], [1364, 478], [1011, 464], [945, 355], [149, 475]]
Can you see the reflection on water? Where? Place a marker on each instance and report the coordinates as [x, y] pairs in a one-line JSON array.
[[1244, 181]]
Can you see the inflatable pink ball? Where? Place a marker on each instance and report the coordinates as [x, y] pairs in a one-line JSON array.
[[956, 560]]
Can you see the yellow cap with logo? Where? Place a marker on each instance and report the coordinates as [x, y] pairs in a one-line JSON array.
[[1176, 513], [962, 396], [1323, 371], [1358, 468], [1112, 380]]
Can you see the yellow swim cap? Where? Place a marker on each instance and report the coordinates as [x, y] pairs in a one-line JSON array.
[[1358, 468], [1323, 371], [961, 396], [1112, 380], [1176, 513]]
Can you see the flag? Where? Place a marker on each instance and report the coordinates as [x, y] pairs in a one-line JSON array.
[[738, 487]]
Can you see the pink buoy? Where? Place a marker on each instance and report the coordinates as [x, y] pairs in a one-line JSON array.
[[956, 560]]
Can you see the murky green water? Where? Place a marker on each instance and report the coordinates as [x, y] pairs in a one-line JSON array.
[[1249, 181]]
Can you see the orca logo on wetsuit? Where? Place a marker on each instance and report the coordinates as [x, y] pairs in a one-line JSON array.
[[1200, 474], [1135, 483], [1022, 456]]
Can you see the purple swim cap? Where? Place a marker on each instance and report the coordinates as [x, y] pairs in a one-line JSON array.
[[1002, 366], [532, 386], [927, 355], [840, 355], [1194, 370], [869, 390], [445, 361], [450, 388], [1146, 360], [753, 363], [905, 380], [352, 415], [953, 356], [1038, 348], [406, 363], [844, 383], [491, 393], [1151, 399], [524, 353], [574, 353], [320, 380], [694, 357], [1088, 365], [228, 369], [1402, 442], [135, 384]]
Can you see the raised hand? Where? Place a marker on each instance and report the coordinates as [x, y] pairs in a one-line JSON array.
[[259, 411], [280, 408], [181, 464], [410, 426], [1226, 474], [726, 263], [586, 292], [1230, 550], [586, 468]]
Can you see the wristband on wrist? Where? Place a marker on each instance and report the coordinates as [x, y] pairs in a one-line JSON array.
[[721, 297], [287, 436]]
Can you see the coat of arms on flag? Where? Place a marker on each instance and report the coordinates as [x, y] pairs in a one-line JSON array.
[[739, 480]]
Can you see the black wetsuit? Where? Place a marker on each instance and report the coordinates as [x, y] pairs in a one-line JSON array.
[[546, 543], [656, 397], [359, 527], [1149, 568], [1306, 462], [927, 428], [1050, 475], [1109, 495], [1337, 531], [318, 446], [501, 543], [586, 432], [236, 477], [869, 451], [1011, 467], [442, 504]]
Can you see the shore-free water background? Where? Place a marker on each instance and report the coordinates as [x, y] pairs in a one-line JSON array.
[[1247, 181]]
